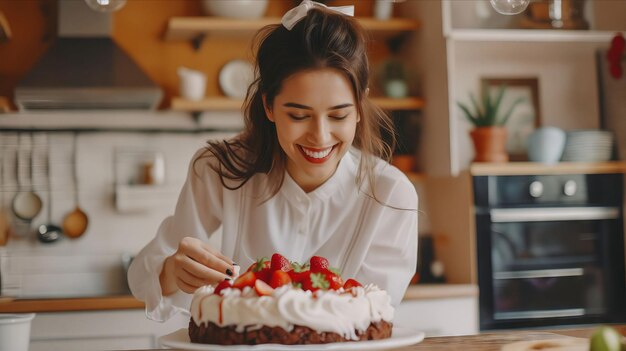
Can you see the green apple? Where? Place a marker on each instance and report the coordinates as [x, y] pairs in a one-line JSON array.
[[606, 339]]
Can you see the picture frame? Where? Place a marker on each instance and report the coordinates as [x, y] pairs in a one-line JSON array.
[[527, 115]]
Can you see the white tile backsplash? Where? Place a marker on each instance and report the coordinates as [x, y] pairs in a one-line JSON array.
[[91, 264]]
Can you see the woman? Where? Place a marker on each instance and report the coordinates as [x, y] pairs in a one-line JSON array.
[[306, 176]]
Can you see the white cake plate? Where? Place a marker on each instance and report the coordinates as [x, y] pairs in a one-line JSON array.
[[400, 336]]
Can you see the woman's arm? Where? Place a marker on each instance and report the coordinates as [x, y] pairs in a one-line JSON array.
[[155, 274]]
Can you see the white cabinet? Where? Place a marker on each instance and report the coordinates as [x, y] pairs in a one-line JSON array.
[[440, 317], [463, 41], [99, 330]]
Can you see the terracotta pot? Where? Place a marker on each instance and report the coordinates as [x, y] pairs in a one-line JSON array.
[[405, 163], [489, 144]]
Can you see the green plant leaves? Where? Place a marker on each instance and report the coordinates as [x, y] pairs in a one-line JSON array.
[[486, 113]]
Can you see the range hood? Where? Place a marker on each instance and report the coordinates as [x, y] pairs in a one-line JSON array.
[[84, 69]]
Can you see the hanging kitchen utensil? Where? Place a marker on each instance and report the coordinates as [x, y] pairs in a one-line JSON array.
[[75, 223], [5, 224], [26, 204], [49, 232]]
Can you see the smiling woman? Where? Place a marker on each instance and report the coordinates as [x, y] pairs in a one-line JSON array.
[[308, 176], [315, 122]]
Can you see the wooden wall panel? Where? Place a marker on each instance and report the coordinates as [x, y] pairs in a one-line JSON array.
[[33, 25], [139, 28]]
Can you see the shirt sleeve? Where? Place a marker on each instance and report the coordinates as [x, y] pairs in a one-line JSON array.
[[391, 257], [198, 214]]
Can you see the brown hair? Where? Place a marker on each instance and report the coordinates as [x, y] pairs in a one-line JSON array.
[[322, 39]]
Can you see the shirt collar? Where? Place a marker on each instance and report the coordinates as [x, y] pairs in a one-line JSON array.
[[343, 176]]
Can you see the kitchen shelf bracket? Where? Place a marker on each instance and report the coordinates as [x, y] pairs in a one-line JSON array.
[[197, 40]]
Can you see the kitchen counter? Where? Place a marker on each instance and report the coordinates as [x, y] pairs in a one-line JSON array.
[[123, 302], [494, 341]]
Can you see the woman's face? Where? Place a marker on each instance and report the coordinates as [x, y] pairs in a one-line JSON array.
[[315, 116]]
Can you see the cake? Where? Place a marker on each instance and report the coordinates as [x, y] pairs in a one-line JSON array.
[[283, 302]]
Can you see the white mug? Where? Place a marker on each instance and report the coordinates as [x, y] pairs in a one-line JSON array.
[[383, 9], [192, 83]]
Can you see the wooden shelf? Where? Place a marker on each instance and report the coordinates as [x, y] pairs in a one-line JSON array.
[[529, 168], [122, 302], [410, 103], [116, 122], [415, 177], [209, 103], [226, 104], [440, 291], [531, 35], [190, 28]]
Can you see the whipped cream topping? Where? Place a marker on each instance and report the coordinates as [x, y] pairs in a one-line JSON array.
[[338, 311]]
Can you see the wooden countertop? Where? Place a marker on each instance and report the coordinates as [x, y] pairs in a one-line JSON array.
[[494, 341], [440, 291], [526, 168], [123, 302]]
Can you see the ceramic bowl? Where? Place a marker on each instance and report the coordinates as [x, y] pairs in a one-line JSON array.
[[546, 145], [244, 9]]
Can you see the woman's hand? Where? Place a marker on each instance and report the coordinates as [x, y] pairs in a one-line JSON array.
[[193, 265]]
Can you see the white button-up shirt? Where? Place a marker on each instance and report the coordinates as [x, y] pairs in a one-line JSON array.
[[366, 240]]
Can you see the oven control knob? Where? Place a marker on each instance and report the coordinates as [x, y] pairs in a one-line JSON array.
[[535, 189], [569, 188]]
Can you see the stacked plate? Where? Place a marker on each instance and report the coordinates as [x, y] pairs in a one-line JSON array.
[[590, 145]]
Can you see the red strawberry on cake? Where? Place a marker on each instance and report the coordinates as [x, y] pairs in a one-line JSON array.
[[283, 302]]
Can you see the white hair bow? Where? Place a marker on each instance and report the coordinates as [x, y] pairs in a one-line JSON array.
[[297, 13]]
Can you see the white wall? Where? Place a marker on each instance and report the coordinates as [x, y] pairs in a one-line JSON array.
[[91, 264]]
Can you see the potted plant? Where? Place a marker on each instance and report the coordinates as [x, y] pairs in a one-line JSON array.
[[489, 133]]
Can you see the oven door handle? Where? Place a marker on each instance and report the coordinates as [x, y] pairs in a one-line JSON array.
[[539, 273], [572, 312], [545, 214]]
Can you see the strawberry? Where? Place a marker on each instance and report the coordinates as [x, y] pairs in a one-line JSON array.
[[260, 263], [298, 277], [333, 278], [221, 286], [299, 273], [262, 289], [264, 274], [246, 279], [351, 283], [315, 281], [280, 263], [279, 278], [318, 263]]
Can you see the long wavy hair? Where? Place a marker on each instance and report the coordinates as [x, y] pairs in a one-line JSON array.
[[322, 39]]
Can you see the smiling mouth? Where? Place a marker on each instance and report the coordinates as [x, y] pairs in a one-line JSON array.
[[316, 155]]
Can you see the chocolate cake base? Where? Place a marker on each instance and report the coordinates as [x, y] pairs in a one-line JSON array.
[[212, 334]]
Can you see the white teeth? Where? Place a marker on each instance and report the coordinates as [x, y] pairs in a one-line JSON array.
[[317, 154]]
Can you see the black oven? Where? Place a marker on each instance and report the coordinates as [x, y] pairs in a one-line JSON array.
[[550, 249]]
